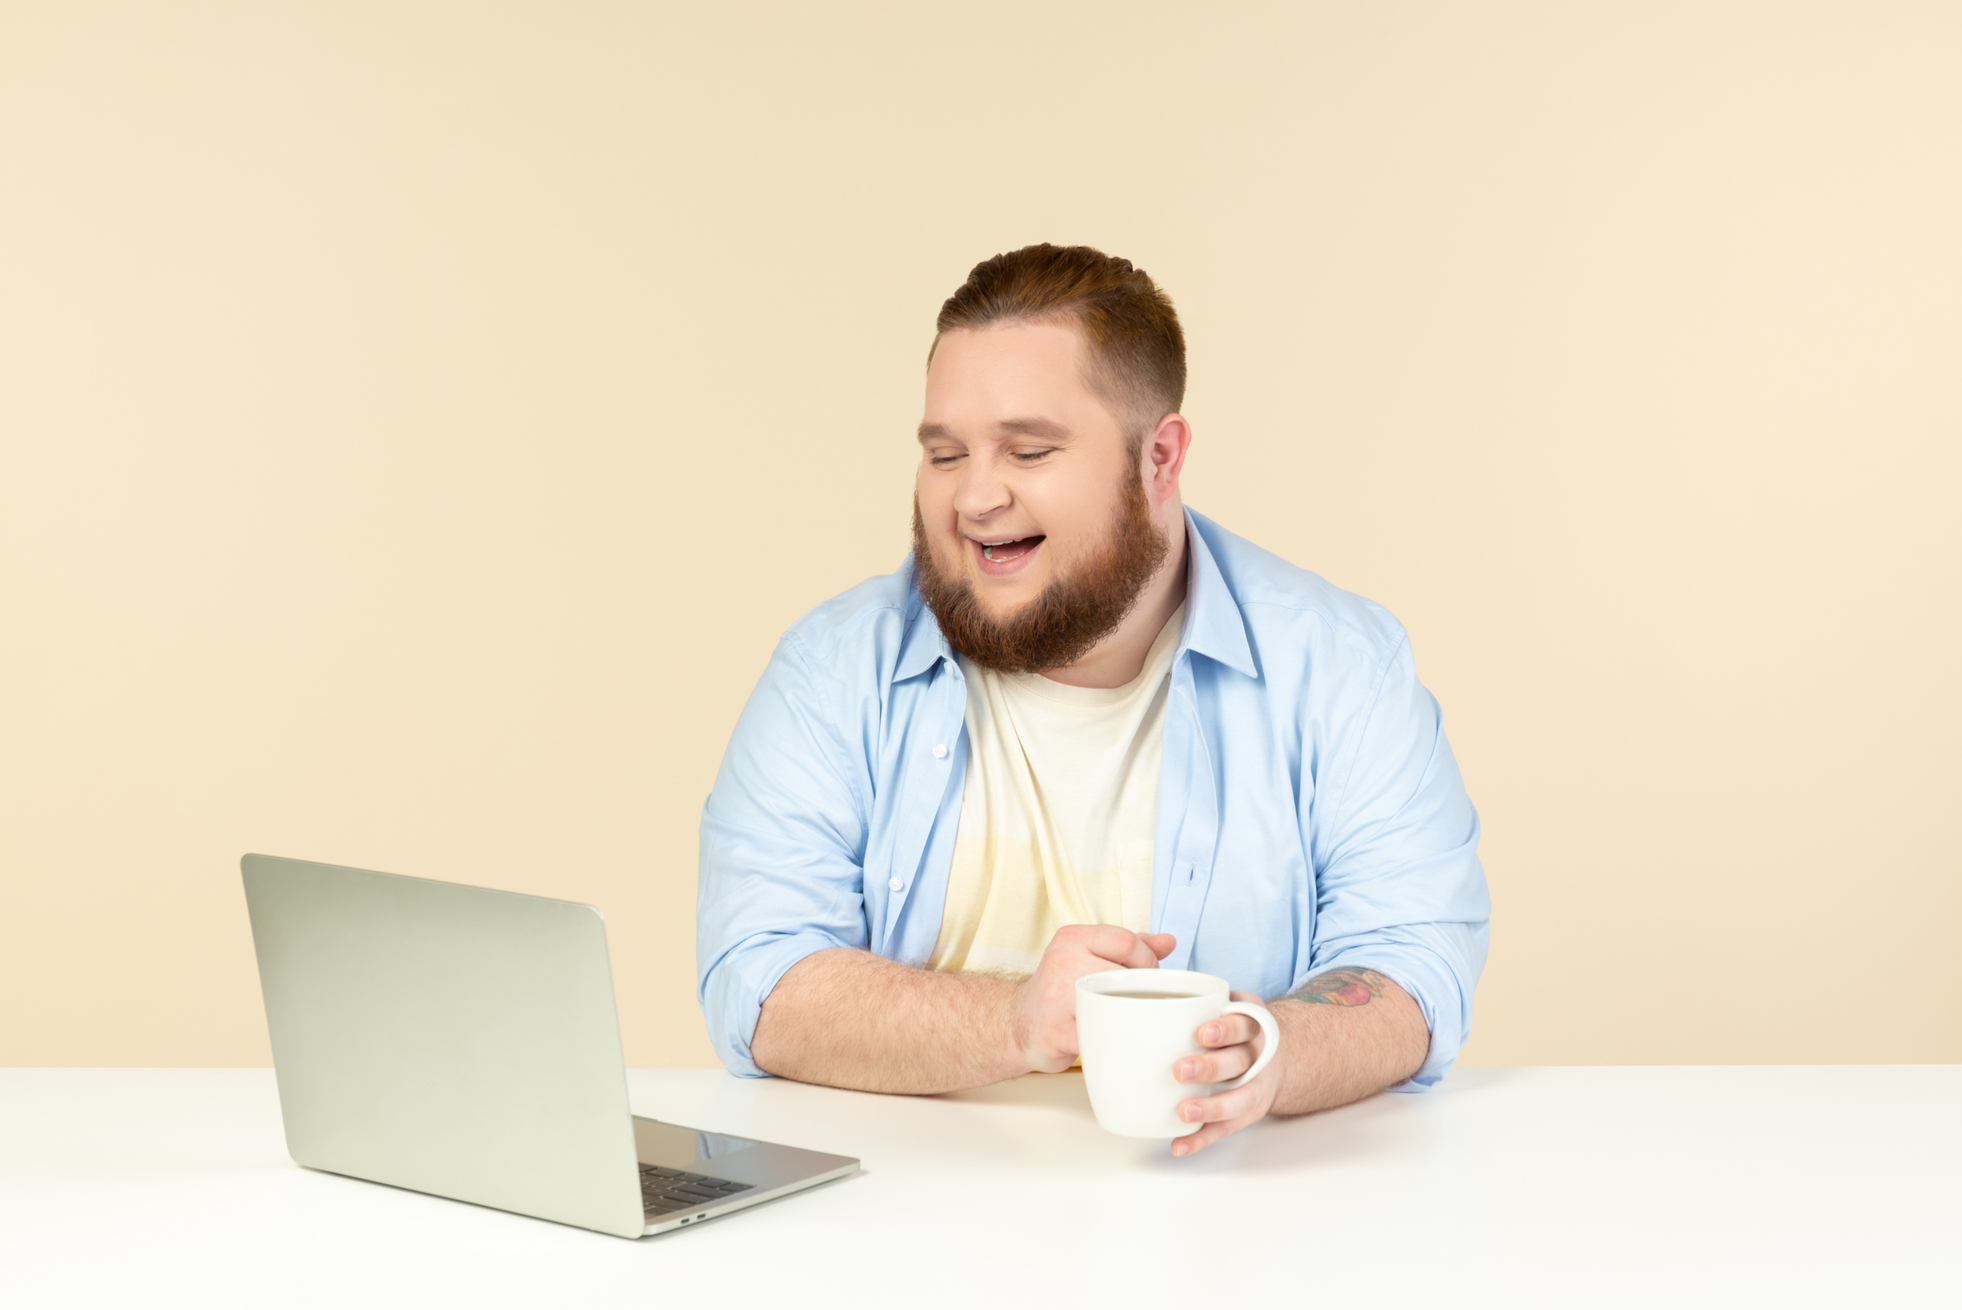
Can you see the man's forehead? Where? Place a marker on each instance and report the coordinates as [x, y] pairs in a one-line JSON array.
[[1010, 380]]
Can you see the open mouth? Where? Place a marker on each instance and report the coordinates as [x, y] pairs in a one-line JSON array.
[[1010, 550]]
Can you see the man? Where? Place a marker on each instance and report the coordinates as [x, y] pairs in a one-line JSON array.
[[1080, 729]]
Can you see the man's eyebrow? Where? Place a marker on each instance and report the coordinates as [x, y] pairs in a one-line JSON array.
[[1047, 428], [1034, 427]]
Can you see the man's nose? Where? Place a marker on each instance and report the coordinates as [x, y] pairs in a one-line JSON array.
[[981, 491]]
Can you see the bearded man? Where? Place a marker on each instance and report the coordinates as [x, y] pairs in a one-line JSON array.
[[1083, 728]]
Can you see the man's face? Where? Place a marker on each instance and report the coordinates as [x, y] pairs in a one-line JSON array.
[[1029, 500]]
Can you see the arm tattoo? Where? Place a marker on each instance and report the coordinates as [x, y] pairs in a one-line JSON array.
[[1341, 987]]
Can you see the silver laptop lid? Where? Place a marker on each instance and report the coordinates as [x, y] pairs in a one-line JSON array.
[[450, 1039]]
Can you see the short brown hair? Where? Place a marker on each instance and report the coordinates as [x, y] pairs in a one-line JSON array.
[[1136, 357]]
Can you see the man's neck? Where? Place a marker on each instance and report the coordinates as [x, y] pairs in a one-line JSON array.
[[1121, 656]]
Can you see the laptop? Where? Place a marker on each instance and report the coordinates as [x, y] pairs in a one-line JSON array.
[[463, 1042]]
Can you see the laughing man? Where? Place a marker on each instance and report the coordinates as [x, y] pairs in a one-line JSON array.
[[1084, 728]]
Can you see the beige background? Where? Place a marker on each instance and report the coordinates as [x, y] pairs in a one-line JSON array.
[[417, 422]]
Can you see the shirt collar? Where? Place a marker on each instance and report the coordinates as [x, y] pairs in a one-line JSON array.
[[1213, 626], [923, 645]]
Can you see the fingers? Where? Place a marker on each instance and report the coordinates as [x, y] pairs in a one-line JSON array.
[[1045, 1022], [1235, 1042], [1215, 1066], [1204, 1138], [1224, 1108], [1223, 1115], [1161, 943], [1119, 946], [1228, 1030]]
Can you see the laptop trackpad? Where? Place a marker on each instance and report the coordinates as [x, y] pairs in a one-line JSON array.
[[682, 1148]]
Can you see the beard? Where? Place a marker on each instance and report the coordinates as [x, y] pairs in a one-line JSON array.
[[1078, 609]]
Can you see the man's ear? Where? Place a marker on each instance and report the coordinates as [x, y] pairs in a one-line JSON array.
[[1163, 456]]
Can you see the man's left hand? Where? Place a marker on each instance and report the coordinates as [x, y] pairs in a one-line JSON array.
[[1233, 1042]]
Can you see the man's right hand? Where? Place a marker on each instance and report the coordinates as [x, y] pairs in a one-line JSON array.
[[1044, 1025]]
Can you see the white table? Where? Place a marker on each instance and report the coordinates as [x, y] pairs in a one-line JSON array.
[[1510, 1187]]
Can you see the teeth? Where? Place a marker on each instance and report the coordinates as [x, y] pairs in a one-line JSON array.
[[988, 547]]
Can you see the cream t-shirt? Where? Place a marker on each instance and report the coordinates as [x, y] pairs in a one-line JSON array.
[[1058, 814]]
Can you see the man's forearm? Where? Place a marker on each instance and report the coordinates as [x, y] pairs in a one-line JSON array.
[[1345, 1034], [849, 1018]]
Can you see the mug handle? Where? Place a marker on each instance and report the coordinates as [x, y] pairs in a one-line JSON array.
[[1269, 1029]]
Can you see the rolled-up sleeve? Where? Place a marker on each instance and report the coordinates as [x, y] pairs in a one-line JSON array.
[[782, 849], [1399, 888]]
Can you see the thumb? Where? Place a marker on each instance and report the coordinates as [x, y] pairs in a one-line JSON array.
[[1161, 943]]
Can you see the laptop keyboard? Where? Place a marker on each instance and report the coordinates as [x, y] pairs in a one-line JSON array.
[[670, 1191]]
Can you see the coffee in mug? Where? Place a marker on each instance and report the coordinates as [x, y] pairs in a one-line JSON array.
[[1129, 1047]]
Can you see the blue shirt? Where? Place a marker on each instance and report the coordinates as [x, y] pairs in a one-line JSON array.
[[1310, 814]]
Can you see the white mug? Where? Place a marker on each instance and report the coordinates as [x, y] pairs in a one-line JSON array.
[[1130, 1043]]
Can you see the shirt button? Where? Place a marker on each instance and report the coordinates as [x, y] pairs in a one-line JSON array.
[[939, 752], [896, 884]]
